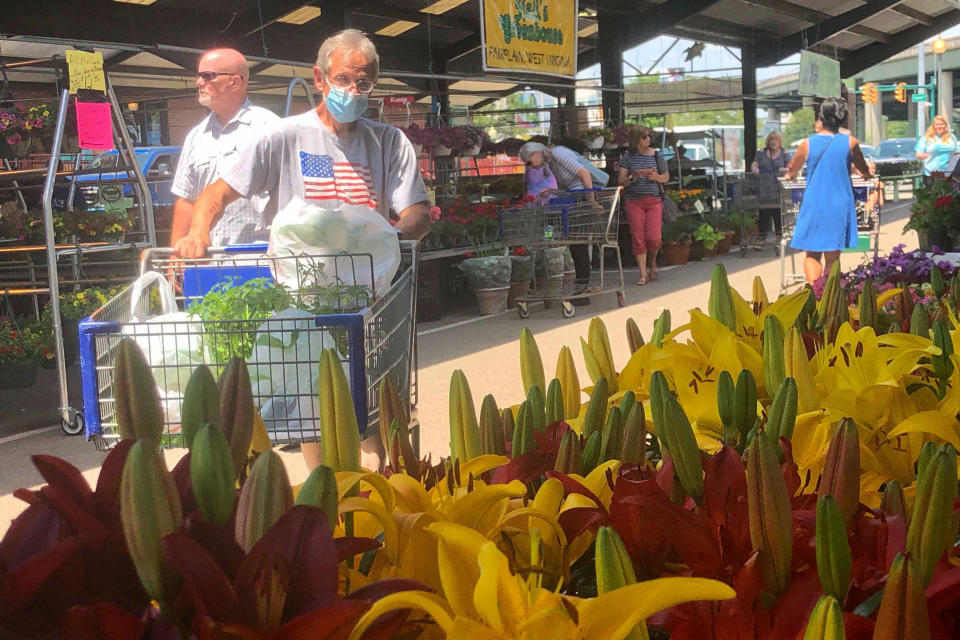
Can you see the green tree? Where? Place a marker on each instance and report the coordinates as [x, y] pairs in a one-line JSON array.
[[705, 118], [898, 129], [799, 127], [507, 123]]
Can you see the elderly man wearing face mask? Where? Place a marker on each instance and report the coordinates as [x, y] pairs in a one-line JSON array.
[[331, 154]]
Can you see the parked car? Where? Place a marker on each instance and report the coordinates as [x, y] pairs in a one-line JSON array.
[[895, 157], [867, 150], [157, 163]]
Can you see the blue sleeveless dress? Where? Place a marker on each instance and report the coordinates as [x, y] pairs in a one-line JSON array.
[[827, 220]]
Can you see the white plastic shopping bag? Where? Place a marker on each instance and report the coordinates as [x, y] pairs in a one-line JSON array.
[[284, 372], [303, 229], [170, 341]]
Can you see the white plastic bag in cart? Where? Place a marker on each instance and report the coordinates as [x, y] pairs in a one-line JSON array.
[[284, 372], [170, 341], [311, 229]]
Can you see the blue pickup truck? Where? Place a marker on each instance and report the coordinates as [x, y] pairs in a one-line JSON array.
[[157, 163]]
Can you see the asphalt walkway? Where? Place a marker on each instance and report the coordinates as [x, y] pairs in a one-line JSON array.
[[485, 348]]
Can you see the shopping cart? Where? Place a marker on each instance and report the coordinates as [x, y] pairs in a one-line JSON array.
[[868, 224], [373, 332], [757, 191], [576, 217]]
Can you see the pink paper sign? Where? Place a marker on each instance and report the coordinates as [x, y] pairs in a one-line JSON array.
[[93, 125]]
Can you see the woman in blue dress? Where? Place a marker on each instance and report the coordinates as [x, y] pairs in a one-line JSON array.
[[827, 221], [936, 147]]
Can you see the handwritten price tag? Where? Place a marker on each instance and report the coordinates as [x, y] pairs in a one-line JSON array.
[[93, 125], [86, 70]]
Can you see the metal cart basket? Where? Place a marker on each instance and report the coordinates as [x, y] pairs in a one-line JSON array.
[[373, 333], [576, 217], [868, 224]]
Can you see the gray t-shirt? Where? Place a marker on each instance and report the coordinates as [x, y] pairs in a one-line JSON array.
[[565, 166], [299, 157], [210, 146]]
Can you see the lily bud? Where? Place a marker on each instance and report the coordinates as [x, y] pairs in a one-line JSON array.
[[531, 366], [867, 305], [569, 457], [400, 449], [612, 436], [893, 502], [523, 438], [760, 299], [927, 451], [726, 400], [464, 430], [841, 472], [569, 383], [212, 474], [634, 337], [508, 425], [538, 408], [149, 510], [236, 411], [338, 418], [491, 427], [942, 364], [720, 303], [320, 490], [392, 408], [265, 496], [676, 435], [920, 322], [771, 522], [591, 452], [596, 412], [599, 343], [201, 404], [826, 621], [626, 403], [903, 609], [783, 412], [661, 327], [555, 409], [833, 549], [137, 402], [745, 405], [634, 447], [932, 528], [774, 369], [936, 281]]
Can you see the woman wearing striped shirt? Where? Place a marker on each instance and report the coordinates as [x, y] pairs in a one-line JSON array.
[[642, 174]]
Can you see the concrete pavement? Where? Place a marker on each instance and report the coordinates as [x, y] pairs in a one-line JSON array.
[[485, 348]]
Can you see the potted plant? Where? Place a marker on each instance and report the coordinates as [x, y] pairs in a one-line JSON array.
[[707, 237], [742, 222], [594, 137], [488, 275], [450, 141], [934, 216], [476, 139], [521, 273], [621, 135], [421, 137], [676, 241], [548, 268], [18, 355]]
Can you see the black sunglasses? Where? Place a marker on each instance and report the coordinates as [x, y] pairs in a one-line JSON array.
[[208, 76]]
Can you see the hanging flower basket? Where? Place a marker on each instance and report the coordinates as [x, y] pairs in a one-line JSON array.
[[596, 143], [441, 151], [473, 150], [417, 148]]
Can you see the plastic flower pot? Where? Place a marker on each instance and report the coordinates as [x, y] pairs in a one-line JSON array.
[[675, 253], [18, 374], [723, 245], [471, 151], [441, 150], [697, 251], [596, 143], [492, 301], [487, 272]]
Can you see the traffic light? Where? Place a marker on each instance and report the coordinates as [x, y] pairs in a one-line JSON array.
[[870, 94], [900, 93]]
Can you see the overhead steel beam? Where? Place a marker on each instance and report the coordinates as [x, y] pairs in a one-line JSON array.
[[810, 36], [377, 10], [264, 14], [655, 20], [866, 57], [913, 14], [813, 16]]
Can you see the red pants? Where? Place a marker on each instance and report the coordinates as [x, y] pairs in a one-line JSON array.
[[645, 216]]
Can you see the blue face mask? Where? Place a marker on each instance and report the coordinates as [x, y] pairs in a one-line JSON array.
[[345, 106]]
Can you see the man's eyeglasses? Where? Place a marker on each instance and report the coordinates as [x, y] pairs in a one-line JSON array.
[[208, 76], [344, 82]]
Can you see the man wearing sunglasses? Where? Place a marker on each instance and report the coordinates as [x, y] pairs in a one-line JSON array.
[[222, 88], [331, 155]]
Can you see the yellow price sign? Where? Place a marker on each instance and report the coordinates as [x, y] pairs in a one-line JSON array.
[[86, 70], [530, 36]]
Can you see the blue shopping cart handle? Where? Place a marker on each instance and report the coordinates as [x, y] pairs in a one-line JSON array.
[[246, 248]]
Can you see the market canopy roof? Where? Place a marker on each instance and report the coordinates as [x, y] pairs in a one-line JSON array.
[[153, 47]]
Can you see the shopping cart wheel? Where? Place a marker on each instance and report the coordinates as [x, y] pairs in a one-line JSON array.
[[523, 310], [567, 309], [75, 427], [621, 299]]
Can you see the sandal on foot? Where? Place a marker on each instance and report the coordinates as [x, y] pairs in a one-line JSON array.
[[642, 281], [652, 275]]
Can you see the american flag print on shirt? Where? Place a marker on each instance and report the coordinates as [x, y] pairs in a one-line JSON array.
[[324, 179]]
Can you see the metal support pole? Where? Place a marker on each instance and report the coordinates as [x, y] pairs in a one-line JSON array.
[[306, 87], [52, 274], [146, 200], [921, 79]]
